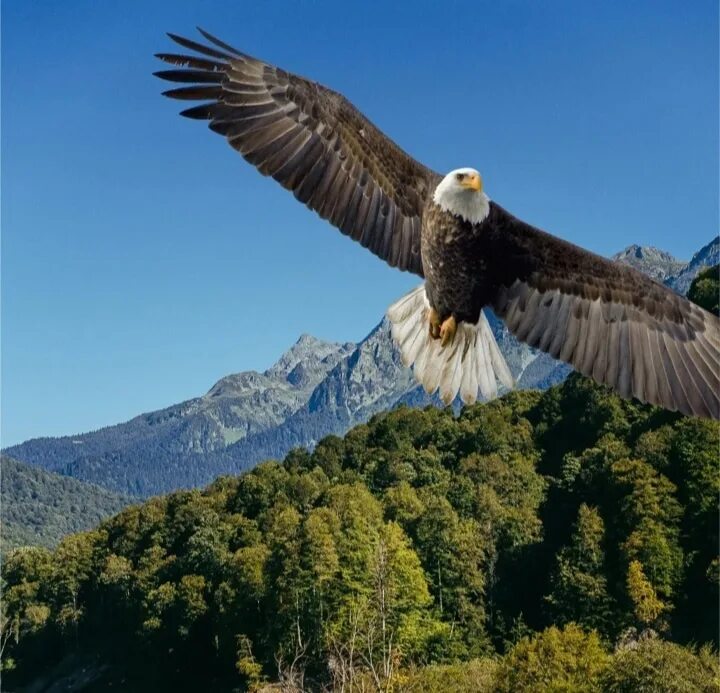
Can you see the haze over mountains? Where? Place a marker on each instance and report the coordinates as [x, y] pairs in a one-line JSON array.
[[315, 389]]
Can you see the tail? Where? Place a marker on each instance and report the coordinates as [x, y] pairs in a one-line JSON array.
[[470, 363]]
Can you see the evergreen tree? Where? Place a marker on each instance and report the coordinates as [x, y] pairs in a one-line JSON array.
[[580, 592]]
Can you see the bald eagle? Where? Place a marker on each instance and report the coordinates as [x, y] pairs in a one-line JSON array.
[[607, 320]]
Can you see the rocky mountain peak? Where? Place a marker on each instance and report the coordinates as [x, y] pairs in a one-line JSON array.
[[658, 264], [707, 256], [311, 352], [237, 383]]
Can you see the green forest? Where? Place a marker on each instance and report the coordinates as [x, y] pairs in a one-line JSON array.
[[564, 540], [39, 507], [556, 541]]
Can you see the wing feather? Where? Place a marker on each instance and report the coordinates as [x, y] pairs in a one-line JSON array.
[[312, 141], [607, 320]]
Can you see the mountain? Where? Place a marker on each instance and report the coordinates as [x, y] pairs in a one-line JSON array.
[[315, 389], [657, 264], [708, 256], [39, 507], [666, 269], [175, 447]]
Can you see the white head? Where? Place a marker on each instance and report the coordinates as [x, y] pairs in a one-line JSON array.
[[461, 193]]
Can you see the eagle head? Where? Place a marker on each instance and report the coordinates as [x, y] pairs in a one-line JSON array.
[[461, 193]]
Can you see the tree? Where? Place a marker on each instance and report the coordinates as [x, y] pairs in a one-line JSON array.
[[377, 629], [247, 665], [567, 659], [652, 664], [453, 559], [72, 569], [693, 464], [647, 607], [402, 504], [705, 289], [650, 514], [580, 592]]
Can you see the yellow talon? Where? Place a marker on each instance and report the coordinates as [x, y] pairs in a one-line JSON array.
[[434, 320], [447, 331]]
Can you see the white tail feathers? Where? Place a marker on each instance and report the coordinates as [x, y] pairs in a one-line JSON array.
[[470, 363]]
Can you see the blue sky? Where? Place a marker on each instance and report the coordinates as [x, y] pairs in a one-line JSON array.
[[142, 259]]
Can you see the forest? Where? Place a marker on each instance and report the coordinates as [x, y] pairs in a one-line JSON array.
[[568, 527], [39, 507], [564, 540]]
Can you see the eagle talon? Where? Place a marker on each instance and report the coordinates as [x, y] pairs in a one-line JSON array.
[[434, 320], [447, 331]]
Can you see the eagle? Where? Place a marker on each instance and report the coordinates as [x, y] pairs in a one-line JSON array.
[[609, 321]]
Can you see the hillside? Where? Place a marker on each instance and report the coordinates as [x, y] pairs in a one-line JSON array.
[[315, 389], [567, 527], [708, 256], [39, 508]]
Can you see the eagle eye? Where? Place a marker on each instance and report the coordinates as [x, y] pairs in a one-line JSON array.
[[459, 176]]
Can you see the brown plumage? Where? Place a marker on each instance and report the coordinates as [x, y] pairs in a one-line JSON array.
[[314, 142], [607, 320]]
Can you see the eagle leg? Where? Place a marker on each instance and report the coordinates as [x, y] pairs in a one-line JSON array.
[[447, 331], [434, 324]]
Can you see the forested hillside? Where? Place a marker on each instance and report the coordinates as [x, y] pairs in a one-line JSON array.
[[39, 508], [544, 541]]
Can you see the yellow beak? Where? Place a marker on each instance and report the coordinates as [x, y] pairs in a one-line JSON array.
[[472, 182]]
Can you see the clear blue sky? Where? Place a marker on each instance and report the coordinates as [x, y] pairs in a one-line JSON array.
[[142, 259]]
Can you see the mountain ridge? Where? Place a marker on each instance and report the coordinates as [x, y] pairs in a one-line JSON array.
[[654, 262], [707, 256], [314, 389]]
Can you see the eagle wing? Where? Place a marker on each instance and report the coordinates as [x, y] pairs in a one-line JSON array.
[[311, 140], [609, 321]]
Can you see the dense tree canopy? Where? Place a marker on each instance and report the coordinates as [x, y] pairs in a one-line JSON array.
[[39, 507], [552, 524], [705, 289]]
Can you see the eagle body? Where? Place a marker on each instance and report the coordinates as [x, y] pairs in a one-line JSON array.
[[610, 322], [454, 267]]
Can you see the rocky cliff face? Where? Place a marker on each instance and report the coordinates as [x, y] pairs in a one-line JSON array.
[[244, 404], [316, 388], [705, 257], [655, 263]]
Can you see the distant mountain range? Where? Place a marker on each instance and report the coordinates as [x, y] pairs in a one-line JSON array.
[[315, 389]]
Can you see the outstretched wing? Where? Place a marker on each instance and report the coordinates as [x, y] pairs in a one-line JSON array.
[[607, 320], [312, 141]]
